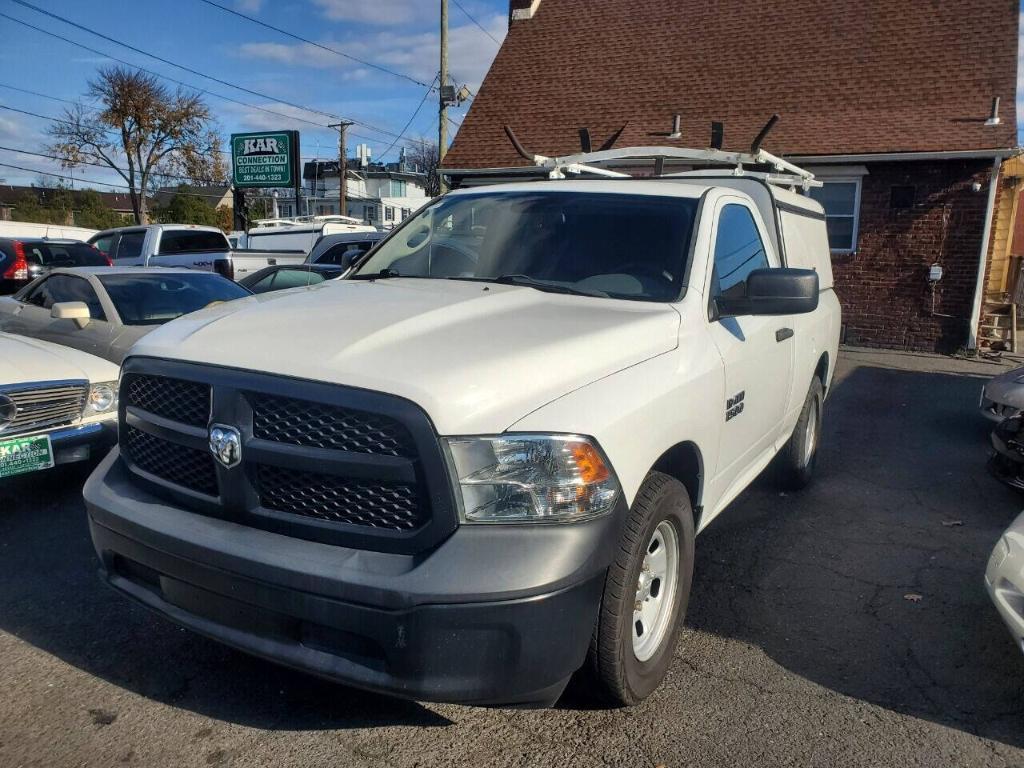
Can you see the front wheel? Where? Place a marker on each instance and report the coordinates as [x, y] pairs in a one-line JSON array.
[[794, 464], [645, 596]]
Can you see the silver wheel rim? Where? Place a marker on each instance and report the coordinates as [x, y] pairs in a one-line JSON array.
[[810, 435], [656, 591]]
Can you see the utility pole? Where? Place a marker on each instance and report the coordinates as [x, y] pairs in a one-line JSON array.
[[442, 122], [342, 166]]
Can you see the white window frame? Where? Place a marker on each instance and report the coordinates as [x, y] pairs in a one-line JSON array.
[[857, 181]]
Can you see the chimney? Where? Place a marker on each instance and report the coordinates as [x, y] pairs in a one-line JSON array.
[[522, 10]]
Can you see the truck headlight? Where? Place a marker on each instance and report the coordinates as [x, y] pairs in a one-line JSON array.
[[102, 398], [531, 478]]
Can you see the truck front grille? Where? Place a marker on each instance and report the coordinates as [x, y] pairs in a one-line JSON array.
[[187, 467], [323, 462], [336, 499], [187, 402], [319, 425], [45, 405]]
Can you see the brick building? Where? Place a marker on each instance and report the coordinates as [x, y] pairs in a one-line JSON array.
[[891, 104]]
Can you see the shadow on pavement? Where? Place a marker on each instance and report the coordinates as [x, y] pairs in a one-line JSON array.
[[53, 599], [818, 579]]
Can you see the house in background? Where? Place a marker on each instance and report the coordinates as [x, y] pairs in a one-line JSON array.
[[379, 194], [10, 196], [906, 112]]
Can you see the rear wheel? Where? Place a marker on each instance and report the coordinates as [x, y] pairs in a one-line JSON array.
[[645, 596], [794, 464]]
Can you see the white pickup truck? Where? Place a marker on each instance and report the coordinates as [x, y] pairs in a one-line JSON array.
[[186, 245], [481, 464]]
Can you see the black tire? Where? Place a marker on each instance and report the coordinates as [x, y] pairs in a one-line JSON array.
[[794, 467], [619, 677]]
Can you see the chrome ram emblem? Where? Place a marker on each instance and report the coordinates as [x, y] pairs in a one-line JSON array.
[[226, 445], [8, 410]]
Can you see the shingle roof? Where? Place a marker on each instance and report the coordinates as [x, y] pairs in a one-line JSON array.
[[847, 76]]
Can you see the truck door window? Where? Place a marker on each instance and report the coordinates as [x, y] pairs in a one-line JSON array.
[[130, 245], [104, 245], [738, 251]]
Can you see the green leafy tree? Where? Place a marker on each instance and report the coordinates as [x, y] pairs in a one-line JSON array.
[[186, 208], [92, 212]]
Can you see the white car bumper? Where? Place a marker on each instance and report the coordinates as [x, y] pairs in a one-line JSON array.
[[1004, 578]]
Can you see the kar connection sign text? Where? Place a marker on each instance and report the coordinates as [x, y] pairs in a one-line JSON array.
[[264, 159]]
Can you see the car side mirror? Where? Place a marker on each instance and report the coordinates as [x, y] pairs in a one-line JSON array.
[[71, 310], [784, 291]]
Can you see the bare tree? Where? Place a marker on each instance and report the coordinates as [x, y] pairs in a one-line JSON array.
[[143, 131], [422, 153]]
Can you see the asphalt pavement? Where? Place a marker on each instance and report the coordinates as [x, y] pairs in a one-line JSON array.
[[846, 625]]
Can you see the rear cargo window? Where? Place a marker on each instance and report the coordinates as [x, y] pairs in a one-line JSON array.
[[183, 241], [64, 255]]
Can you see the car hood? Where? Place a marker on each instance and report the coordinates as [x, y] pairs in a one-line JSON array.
[[477, 357], [1007, 388], [24, 360]]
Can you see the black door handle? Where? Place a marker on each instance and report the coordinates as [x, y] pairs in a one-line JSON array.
[[783, 333]]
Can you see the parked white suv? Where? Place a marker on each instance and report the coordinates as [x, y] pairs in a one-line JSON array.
[[479, 465]]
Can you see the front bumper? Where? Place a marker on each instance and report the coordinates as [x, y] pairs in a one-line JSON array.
[[79, 443], [1004, 579], [492, 615]]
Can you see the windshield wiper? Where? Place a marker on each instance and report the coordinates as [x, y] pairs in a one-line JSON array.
[[528, 282], [384, 274]]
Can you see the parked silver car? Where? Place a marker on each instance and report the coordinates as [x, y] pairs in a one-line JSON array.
[[1003, 395], [104, 310]]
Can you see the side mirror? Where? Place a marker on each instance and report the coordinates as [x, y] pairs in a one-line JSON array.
[[773, 292], [348, 257], [71, 310]]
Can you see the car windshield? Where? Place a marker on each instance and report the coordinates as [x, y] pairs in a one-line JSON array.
[[154, 299], [614, 245]]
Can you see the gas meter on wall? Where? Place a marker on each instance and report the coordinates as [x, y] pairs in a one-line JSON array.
[[934, 273]]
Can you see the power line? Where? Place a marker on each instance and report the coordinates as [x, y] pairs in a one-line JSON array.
[[401, 135], [184, 68], [35, 93], [469, 16], [154, 74], [322, 47], [91, 181], [97, 165]]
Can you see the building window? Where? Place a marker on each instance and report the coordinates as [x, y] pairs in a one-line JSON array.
[[389, 213], [369, 212], [285, 210], [841, 200], [397, 188], [406, 213]]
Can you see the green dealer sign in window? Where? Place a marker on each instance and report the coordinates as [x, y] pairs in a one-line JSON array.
[[265, 159]]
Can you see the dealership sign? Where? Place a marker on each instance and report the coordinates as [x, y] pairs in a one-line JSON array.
[[265, 159]]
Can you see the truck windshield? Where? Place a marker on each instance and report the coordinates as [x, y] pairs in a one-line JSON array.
[[616, 245], [154, 299]]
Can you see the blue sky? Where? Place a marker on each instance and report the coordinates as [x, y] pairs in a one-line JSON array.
[[399, 35]]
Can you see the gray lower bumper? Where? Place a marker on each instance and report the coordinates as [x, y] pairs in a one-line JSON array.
[[498, 614]]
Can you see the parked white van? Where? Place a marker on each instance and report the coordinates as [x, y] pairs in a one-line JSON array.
[[28, 230]]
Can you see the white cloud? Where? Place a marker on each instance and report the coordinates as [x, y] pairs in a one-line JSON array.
[[249, 6], [381, 12], [415, 54]]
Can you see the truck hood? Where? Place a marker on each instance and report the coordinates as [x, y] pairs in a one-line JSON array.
[[24, 361], [476, 357]]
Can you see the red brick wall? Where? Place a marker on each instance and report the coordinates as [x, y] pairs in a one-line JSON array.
[[883, 287]]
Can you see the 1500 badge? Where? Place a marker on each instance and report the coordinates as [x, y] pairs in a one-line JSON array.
[[734, 406]]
